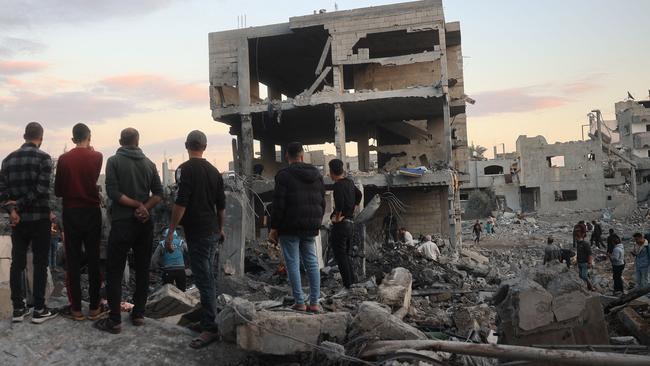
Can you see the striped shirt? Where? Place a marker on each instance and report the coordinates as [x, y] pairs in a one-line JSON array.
[[25, 178]]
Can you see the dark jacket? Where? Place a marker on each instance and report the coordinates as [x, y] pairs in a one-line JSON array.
[[298, 200], [132, 174]]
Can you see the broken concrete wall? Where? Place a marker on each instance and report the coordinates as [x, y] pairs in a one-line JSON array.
[[495, 175], [426, 212], [577, 182]]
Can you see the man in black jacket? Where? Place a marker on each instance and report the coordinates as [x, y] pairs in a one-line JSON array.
[[346, 198], [296, 217], [134, 187]]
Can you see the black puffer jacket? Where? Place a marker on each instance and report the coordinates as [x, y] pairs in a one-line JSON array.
[[298, 200]]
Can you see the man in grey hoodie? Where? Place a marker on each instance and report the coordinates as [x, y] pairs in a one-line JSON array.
[[134, 187], [618, 264]]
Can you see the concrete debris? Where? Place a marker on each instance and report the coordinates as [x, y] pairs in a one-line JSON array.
[[374, 321], [169, 301], [231, 317], [261, 336], [395, 290]]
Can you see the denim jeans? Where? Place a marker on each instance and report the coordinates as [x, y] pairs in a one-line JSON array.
[[202, 253], [583, 271], [642, 277], [54, 247], [295, 248]]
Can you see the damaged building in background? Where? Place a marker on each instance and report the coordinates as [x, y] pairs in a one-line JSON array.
[[632, 137], [388, 79], [548, 178]]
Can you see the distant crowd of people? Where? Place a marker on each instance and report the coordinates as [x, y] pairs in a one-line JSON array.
[[614, 249]]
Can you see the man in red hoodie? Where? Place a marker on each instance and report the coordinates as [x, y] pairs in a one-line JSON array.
[[77, 172]]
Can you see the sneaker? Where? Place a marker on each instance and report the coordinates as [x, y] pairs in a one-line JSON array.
[[68, 313], [137, 321], [20, 314], [98, 313], [43, 315], [107, 325]]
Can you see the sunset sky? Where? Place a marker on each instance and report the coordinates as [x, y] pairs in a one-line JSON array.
[[532, 67]]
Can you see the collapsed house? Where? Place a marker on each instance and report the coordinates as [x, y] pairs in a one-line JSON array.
[[548, 178], [391, 74]]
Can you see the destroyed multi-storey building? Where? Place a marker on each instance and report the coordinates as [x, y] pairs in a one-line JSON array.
[[633, 130], [388, 74]]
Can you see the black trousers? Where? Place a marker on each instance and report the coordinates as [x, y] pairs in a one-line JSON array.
[[342, 233], [176, 277], [38, 235], [618, 277], [83, 229], [125, 235]]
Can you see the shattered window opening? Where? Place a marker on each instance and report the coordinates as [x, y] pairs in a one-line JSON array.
[[555, 161], [568, 195], [493, 170]]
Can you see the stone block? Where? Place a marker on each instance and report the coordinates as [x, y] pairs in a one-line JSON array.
[[396, 289], [231, 253], [169, 301], [229, 319], [535, 309], [309, 328], [374, 321]]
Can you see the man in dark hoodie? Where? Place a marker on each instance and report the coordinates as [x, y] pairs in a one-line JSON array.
[[134, 187], [296, 217]]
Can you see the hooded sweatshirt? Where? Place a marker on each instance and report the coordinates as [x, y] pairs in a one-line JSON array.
[[618, 255], [298, 200], [132, 174]]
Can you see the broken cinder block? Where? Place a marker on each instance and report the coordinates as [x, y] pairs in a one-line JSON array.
[[309, 328], [169, 301], [374, 321], [396, 289]]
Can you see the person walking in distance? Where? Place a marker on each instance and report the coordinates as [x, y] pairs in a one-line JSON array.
[[134, 187], [642, 260], [617, 257], [346, 198], [24, 193], [77, 172], [477, 229], [584, 257], [200, 209], [298, 209]]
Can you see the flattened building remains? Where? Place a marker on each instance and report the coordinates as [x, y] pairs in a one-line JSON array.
[[388, 79]]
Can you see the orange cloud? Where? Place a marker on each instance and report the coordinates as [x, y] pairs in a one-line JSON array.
[[13, 67], [156, 88]]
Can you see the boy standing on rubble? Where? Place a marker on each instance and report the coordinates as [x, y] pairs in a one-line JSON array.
[[134, 187], [346, 199], [584, 257], [617, 257], [200, 207], [477, 229], [296, 217], [642, 261], [172, 264]]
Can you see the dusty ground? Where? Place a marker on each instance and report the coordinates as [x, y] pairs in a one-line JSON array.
[[66, 342]]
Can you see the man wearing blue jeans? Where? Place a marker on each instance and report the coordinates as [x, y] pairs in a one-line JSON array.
[[297, 214], [642, 261], [200, 209]]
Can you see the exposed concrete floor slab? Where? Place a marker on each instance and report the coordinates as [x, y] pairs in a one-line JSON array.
[[66, 342]]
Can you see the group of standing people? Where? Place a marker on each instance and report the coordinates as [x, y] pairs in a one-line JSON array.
[[615, 251], [477, 228], [134, 188]]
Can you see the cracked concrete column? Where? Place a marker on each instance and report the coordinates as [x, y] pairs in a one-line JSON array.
[[339, 132], [364, 153], [267, 149], [246, 144]]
